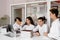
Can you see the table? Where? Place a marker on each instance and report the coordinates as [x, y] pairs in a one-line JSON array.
[[3, 37]]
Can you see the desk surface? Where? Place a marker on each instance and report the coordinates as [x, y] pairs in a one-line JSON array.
[[3, 37]]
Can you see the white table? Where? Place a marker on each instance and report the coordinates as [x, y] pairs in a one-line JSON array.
[[2, 37], [58, 38]]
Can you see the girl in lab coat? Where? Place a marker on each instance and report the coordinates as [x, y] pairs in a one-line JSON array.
[[41, 27], [29, 24]]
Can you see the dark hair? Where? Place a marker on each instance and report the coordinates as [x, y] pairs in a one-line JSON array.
[[42, 18], [31, 20], [18, 19], [54, 11]]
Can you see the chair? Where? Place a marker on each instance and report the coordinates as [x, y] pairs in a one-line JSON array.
[[9, 28]]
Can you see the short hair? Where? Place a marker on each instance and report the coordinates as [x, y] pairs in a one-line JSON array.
[[54, 11], [18, 19], [43, 19]]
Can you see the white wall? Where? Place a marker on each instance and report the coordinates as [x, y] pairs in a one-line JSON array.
[[4, 12], [23, 1], [17, 1], [4, 7]]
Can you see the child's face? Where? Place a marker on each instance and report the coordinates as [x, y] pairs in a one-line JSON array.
[[52, 15], [40, 22], [27, 21], [18, 21]]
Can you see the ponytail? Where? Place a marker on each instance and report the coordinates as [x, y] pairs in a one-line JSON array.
[[43, 19]]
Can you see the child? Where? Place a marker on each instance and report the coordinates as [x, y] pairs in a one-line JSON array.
[[55, 27], [17, 26], [29, 25], [41, 27]]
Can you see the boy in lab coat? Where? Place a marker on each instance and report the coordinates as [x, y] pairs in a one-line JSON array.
[[55, 26], [18, 24]]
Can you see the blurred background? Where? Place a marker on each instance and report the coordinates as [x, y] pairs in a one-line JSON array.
[[10, 9]]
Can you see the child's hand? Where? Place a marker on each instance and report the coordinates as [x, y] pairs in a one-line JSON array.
[[36, 33]]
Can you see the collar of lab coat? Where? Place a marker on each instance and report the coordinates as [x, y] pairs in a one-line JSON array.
[[29, 25], [17, 24], [57, 20], [42, 25]]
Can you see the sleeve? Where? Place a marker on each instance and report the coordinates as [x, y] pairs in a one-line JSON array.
[[14, 27], [36, 29], [46, 28], [24, 27], [33, 27], [54, 31]]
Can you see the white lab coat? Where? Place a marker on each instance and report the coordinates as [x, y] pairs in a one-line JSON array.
[[42, 29], [55, 29], [16, 27], [28, 27]]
